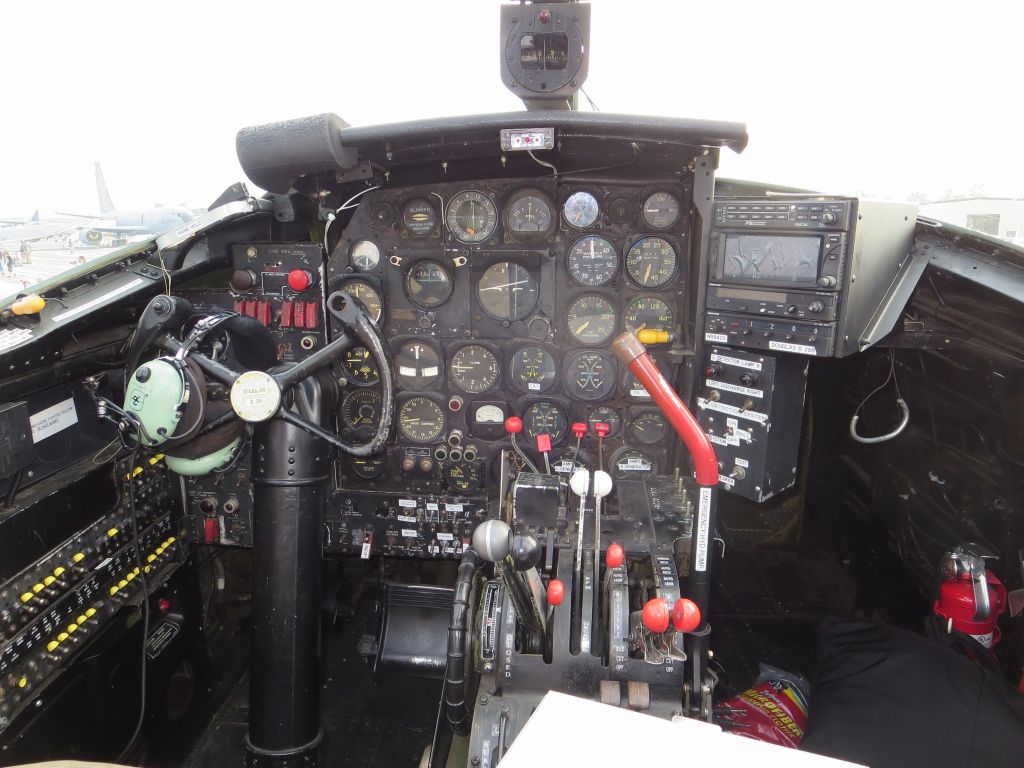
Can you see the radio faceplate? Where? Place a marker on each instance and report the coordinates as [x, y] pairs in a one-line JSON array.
[[817, 306]]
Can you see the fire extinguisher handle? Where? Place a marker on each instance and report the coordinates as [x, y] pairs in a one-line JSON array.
[[982, 606]]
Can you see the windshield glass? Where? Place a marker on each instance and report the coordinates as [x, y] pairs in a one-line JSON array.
[[106, 144]]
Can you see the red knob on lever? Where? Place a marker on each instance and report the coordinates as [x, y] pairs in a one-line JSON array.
[[556, 592], [300, 279], [614, 556], [579, 429], [513, 425], [544, 443], [601, 429], [655, 615], [685, 615]]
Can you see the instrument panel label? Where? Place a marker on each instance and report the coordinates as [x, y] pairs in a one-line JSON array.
[[785, 346], [716, 338], [407, 503], [727, 387], [406, 519], [753, 365], [703, 529], [409, 533], [732, 410], [54, 419]]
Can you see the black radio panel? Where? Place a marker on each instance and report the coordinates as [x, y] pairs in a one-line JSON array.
[[776, 335], [815, 306]]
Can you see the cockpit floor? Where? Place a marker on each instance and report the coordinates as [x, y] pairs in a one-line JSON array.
[[389, 722]]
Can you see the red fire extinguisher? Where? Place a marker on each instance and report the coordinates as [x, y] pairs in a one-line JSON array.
[[971, 598]]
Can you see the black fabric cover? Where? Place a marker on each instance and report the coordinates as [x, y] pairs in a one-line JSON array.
[[887, 697]]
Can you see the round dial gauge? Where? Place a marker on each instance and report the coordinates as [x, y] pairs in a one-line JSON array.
[[590, 375], [428, 284], [581, 210], [360, 366], [529, 213], [419, 217], [633, 388], [651, 262], [507, 291], [364, 256], [471, 216], [360, 410], [366, 295], [545, 418], [633, 464], [605, 415], [489, 414], [593, 261], [474, 369], [532, 369], [420, 420], [661, 210], [648, 312], [417, 365], [591, 319], [568, 461], [368, 468], [649, 428], [462, 476], [620, 210]]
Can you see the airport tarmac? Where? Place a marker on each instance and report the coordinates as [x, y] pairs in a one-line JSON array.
[[47, 261]]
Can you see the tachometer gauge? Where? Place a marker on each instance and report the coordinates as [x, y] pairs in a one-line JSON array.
[[420, 420], [462, 476], [367, 295], [428, 284], [364, 255], [649, 427], [360, 410], [661, 210], [591, 319], [590, 375], [474, 369], [593, 261], [417, 365], [545, 418], [419, 217], [651, 262], [605, 415], [581, 210], [528, 214], [471, 216], [633, 464], [532, 369], [648, 312], [360, 366], [507, 291]]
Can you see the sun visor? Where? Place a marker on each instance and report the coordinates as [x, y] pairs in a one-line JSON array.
[[275, 155]]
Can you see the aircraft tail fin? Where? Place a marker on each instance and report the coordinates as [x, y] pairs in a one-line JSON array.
[[106, 204], [35, 216]]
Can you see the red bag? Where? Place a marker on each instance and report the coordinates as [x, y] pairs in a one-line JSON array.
[[774, 710]]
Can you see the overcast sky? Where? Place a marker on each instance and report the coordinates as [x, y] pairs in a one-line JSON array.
[[885, 98]]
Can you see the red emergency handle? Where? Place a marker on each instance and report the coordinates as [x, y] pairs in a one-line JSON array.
[[632, 353]]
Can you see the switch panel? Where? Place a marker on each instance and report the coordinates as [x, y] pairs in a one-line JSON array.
[[751, 405]]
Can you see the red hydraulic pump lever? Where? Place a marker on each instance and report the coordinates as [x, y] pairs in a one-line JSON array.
[[632, 353]]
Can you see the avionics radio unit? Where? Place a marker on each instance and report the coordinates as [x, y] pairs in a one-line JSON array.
[[804, 275]]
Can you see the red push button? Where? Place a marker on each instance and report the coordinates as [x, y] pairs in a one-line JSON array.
[[299, 280]]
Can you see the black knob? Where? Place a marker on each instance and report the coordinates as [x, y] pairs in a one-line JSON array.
[[828, 217], [526, 552], [792, 309], [827, 281], [243, 279], [815, 306]]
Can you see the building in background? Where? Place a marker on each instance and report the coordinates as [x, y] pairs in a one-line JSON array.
[[1001, 217]]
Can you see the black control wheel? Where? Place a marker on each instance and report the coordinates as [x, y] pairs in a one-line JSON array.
[[257, 395]]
